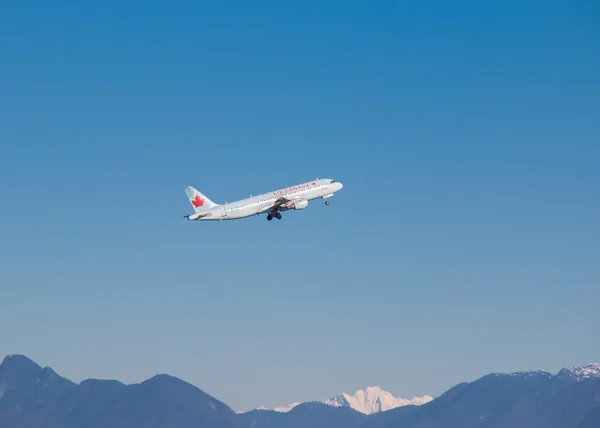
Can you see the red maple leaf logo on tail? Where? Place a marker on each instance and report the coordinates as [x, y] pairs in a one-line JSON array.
[[197, 202]]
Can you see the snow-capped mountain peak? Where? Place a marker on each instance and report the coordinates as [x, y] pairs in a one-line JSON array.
[[373, 399], [589, 371], [370, 400]]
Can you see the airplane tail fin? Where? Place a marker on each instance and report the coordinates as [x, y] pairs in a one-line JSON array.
[[198, 200]]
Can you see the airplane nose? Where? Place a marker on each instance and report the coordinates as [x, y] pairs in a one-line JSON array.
[[339, 186]]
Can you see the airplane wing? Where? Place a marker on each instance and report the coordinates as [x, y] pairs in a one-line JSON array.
[[279, 203]]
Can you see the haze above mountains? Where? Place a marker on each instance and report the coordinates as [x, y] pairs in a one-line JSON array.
[[36, 397]]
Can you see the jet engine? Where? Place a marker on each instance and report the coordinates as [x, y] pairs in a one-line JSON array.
[[300, 204]]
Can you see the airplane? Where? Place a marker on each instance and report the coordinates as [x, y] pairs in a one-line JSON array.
[[272, 203]]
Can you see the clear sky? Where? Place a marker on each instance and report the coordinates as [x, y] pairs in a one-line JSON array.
[[466, 239]]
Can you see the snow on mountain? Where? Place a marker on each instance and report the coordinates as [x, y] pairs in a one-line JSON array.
[[529, 373], [280, 409], [369, 400], [373, 399], [285, 409], [589, 371]]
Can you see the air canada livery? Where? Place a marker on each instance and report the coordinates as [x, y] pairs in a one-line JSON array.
[[272, 203]]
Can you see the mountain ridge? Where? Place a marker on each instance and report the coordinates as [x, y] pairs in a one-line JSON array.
[[36, 397], [369, 400], [373, 399]]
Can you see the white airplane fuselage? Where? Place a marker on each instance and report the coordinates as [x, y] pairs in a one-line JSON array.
[[272, 203]]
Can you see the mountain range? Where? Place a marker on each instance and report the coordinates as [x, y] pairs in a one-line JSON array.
[[36, 397], [373, 400], [368, 401]]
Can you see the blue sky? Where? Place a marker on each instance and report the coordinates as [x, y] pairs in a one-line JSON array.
[[465, 240]]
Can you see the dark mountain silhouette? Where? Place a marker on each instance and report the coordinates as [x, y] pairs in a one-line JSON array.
[[518, 400], [32, 397], [162, 401], [36, 397], [88, 403], [29, 393], [314, 415], [592, 419]]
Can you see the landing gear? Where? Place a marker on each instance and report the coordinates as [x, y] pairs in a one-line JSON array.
[[326, 201], [275, 214]]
